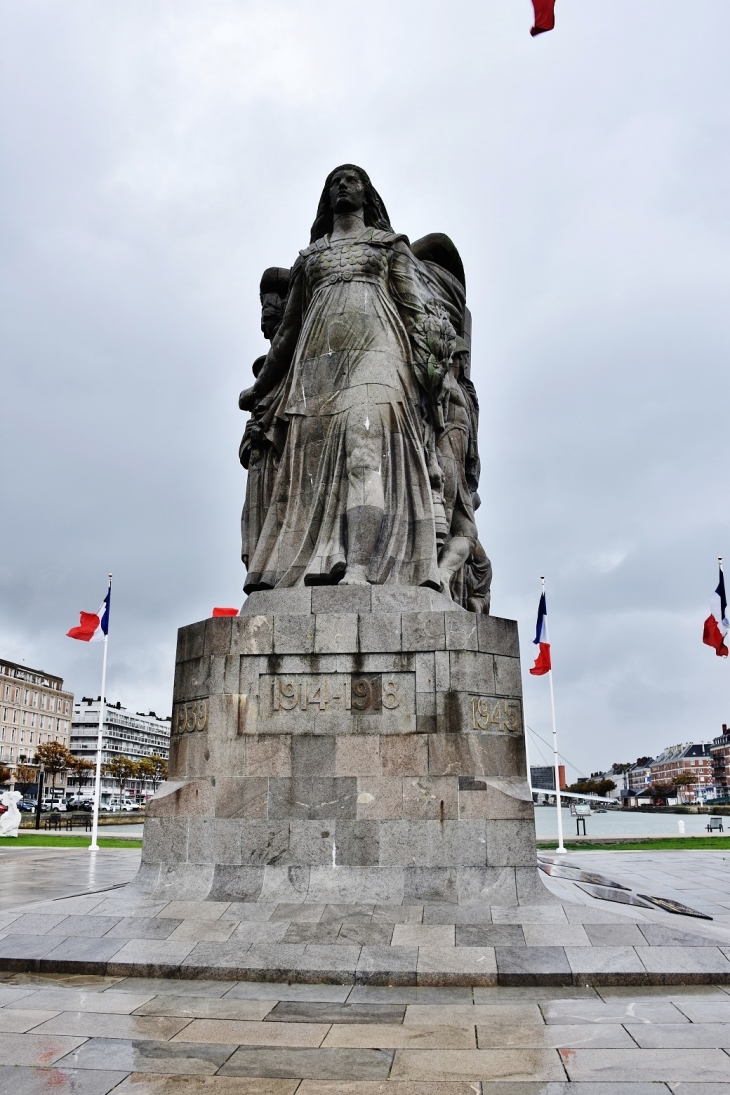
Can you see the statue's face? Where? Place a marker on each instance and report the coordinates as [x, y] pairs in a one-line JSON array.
[[347, 193], [272, 311]]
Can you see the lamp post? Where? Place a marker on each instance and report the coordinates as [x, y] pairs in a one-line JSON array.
[[41, 770]]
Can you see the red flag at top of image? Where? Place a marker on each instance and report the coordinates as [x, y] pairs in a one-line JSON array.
[[544, 16]]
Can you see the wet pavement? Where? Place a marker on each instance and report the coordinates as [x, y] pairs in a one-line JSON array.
[[29, 875], [93, 1035]]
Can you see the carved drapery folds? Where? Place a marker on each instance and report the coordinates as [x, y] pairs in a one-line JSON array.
[[361, 447]]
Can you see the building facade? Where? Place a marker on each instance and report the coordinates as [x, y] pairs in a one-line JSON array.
[[694, 758], [720, 752], [125, 734], [34, 709], [638, 776], [542, 778]]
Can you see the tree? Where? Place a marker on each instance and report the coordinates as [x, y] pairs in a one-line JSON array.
[[4, 774], [599, 787], [146, 769], [81, 767], [619, 769], [122, 769], [55, 758], [641, 761], [25, 776], [661, 790], [684, 779], [160, 771]]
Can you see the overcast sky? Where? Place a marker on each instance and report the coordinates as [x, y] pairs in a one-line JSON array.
[[158, 156]]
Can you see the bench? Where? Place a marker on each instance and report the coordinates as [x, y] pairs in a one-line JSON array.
[[715, 825], [77, 821]]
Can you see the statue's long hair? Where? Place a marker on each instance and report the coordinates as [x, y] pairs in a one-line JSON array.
[[376, 215]]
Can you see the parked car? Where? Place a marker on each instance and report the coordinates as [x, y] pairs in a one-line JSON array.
[[26, 807]]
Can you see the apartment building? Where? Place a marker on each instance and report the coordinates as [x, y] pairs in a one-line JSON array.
[[692, 757], [125, 733], [34, 709], [720, 752]]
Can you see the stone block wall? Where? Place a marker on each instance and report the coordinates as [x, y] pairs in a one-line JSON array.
[[349, 744]]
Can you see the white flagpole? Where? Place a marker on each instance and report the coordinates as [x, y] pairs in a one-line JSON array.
[[561, 849], [94, 847]]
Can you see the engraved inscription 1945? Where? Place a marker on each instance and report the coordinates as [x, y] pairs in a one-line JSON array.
[[493, 714]]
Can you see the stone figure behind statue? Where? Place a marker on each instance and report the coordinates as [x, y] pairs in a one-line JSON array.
[[10, 819], [363, 430], [264, 436]]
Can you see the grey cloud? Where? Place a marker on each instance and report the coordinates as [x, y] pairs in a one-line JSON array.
[[158, 156]]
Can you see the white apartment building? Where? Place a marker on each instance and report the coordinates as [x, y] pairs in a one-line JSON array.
[[34, 709], [126, 734]]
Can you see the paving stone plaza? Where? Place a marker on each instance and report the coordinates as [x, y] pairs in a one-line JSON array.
[[89, 1034]]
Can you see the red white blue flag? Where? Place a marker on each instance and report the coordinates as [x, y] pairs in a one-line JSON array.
[[544, 16], [542, 662], [94, 626], [717, 624]]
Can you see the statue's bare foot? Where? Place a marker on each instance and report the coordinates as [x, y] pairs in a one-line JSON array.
[[446, 577], [355, 575]]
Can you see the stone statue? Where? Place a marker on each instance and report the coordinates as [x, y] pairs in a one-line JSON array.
[[363, 432], [264, 437], [10, 819]]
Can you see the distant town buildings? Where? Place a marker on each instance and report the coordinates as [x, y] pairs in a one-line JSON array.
[[127, 734], [34, 709], [543, 778], [720, 753], [691, 759]]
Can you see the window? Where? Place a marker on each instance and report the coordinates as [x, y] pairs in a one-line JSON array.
[[7, 691], [35, 699], [12, 738], [26, 694], [31, 737], [43, 702], [32, 719]]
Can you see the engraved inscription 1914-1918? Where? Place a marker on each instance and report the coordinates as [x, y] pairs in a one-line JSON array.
[[368, 692]]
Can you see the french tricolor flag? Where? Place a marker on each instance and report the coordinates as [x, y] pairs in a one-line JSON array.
[[717, 625], [544, 16], [542, 662], [94, 626]]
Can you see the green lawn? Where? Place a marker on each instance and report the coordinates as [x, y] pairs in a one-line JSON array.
[[670, 843], [41, 840]]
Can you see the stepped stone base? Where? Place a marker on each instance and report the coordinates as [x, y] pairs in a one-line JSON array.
[[346, 744]]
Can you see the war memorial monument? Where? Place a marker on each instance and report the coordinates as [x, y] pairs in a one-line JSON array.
[[347, 800], [356, 733]]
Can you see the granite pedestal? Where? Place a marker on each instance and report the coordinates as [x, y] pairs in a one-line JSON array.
[[346, 744]]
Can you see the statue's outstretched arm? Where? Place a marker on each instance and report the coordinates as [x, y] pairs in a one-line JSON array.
[[283, 346]]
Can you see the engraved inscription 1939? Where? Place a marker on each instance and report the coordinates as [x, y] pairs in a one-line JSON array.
[[190, 716]]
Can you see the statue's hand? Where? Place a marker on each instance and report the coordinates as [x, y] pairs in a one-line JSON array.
[[248, 399]]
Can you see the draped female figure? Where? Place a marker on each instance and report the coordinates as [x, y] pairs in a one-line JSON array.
[[352, 501]]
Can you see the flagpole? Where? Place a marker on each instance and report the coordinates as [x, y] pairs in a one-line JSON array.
[[561, 849], [94, 847]]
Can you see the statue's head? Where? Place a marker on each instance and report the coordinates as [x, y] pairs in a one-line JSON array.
[[272, 294], [348, 189]]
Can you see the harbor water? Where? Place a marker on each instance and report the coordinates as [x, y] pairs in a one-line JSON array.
[[623, 823]]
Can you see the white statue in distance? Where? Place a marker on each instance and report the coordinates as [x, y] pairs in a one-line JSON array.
[[10, 818]]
